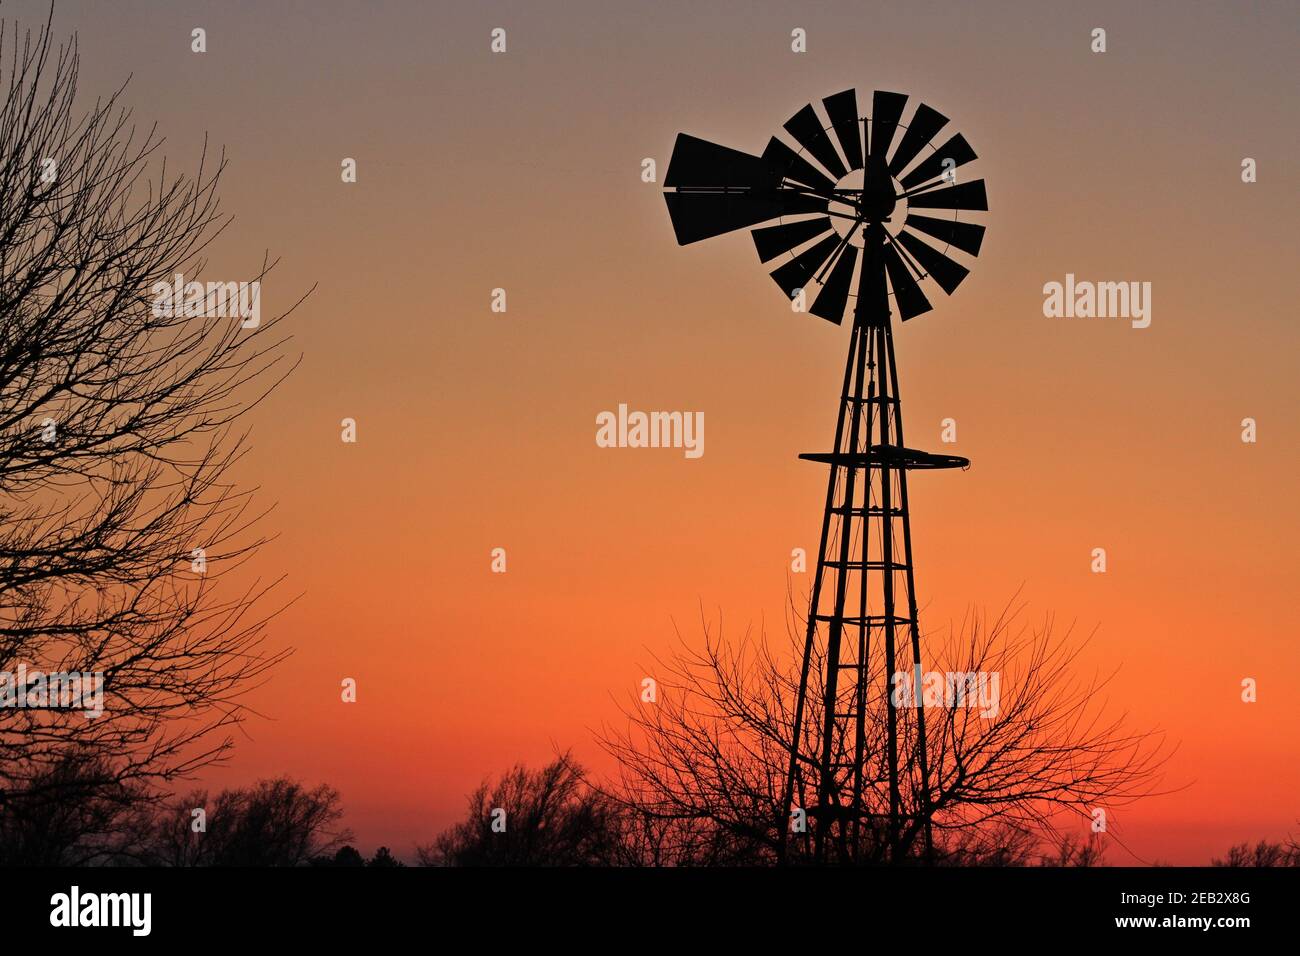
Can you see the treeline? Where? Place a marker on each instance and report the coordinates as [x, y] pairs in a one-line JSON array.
[[556, 817], [553, 816], [79, 814]]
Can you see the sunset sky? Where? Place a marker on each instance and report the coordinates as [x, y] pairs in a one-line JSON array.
[[476, 430]]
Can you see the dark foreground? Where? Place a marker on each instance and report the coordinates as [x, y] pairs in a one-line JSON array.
[[661, 909]]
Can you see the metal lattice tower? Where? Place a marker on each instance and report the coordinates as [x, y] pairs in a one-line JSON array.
[[846, 204]]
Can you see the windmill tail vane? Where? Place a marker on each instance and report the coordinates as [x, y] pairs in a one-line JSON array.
[[843, 217]]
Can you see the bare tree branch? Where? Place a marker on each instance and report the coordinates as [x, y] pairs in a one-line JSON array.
[[118, 440]]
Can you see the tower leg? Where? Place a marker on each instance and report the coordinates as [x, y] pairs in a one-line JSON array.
[[796, 742], [887, 586], [923, 757], [828, 801]]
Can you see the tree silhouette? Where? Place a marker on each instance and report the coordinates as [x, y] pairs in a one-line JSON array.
[[707, 759], [344, 856], [117, 436], [75, 813], [384, 858], [1071, 851], [1263, 853], [272, 823], [547, 817]]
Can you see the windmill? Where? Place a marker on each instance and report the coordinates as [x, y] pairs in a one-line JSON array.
[[843, 219]]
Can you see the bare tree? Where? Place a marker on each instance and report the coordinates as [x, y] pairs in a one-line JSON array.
[[272, 823], [708, 758], [1263, 853], [547, 817], [75, 813], [120, 524], [1072, 851]]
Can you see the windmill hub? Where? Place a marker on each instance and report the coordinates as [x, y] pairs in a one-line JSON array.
[[878, 197], [852, 208]]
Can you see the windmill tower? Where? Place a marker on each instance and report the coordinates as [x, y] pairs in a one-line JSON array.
[[850, 205]]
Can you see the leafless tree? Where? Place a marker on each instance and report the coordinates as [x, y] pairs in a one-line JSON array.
[[708, 758], [118, 432], [75, 813], [272, 823], [1072, 851], [1263, 853], [546, 817]]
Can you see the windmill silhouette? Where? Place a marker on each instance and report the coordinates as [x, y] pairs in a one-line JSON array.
[[847, 222]]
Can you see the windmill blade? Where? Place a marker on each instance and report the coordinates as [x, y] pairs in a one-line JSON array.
[[925, 125], [946, 272], [799, 271], [886, 111], [835, 293], [771, 241], [968, 196], [966, 236], [781, 161], [842, 108], [956, 149], [705, 214], [806, 127], [909, 298], [697, 162]]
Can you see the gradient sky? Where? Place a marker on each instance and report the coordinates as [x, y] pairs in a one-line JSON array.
[[476, 430]]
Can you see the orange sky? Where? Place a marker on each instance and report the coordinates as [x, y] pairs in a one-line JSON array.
[[476, 430]]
